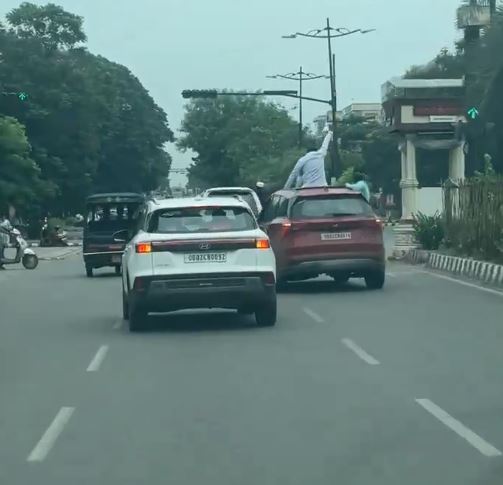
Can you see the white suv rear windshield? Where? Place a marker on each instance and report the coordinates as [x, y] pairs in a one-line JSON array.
[[334, 206], [188, 220]]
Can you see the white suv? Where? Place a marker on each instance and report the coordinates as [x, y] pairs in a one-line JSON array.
[[247, 194], [198, 253]]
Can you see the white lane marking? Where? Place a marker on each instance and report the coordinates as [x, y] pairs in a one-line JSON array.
[[98, 359], [459, 428], [461, 282], [313, 315], [117, 325], [360, 352], [391, 275], [44, 446]]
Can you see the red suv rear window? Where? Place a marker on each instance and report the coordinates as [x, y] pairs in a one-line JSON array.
[[330, 206]]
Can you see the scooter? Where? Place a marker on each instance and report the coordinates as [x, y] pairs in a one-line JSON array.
[[24, 254]]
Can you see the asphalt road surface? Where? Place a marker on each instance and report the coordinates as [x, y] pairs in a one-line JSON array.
[[400, 386]]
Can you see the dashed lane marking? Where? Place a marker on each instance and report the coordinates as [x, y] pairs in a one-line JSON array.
[[46, 443], [459, 428], [365, 356]]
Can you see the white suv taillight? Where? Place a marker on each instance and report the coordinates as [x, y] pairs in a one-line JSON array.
[[262, 244], [143, 248]]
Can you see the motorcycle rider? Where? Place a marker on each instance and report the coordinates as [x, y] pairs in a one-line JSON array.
[[5, 228]]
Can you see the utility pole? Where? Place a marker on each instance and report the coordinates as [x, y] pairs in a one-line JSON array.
[[300, 77], [333, 101], [492, 7], [330, 33]]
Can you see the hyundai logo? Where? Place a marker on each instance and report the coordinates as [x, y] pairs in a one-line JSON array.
[[204, 246]]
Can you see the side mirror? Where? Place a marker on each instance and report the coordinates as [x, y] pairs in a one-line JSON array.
[[121, 236]]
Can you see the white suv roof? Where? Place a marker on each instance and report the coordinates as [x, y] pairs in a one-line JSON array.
[[198, 202], [231, 189]]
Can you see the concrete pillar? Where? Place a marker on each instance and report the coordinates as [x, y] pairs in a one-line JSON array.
[[457, 163], [408, 183]]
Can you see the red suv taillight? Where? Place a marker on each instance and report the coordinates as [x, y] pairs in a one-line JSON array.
[[286, 227]]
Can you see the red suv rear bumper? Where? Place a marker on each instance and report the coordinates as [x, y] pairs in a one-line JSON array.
[[355, 267]]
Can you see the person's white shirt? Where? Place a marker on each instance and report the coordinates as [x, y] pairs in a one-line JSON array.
[[309, 171]]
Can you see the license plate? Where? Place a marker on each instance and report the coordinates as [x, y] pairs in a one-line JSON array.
[[335, 236], [116, 259], [205, 258]]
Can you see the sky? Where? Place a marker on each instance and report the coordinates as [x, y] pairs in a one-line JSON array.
[[172, 45]]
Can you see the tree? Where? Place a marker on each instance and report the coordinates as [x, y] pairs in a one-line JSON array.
[[50, 24], [91, 124], [446, 65], [368, 147], [482, 65], [238, 140], [20, 183]]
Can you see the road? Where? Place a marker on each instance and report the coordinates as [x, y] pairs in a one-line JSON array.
[[400, 386]]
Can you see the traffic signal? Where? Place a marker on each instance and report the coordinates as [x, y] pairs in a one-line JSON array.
[[201, 93]]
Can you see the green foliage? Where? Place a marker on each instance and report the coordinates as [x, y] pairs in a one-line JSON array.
[[429, 230], [50, 24], [20, 183], [488, 174], [347, 176], [368, 147], [90, 123], [238, 140], [446, 65]]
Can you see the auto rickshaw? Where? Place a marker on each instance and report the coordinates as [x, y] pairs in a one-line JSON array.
[[108, 214]]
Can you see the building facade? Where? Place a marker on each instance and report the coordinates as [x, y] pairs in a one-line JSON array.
[[367, 111]]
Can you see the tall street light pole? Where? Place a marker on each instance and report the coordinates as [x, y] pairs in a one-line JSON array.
[[300, 77], [330, 33]]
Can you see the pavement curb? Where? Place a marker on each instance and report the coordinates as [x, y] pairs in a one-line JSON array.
[[59, 257], [481, 271], [71, 244]]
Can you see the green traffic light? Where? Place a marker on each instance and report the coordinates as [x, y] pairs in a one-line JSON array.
[[473, 113]]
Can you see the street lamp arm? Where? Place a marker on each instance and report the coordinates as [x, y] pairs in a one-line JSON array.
[[306, 76], [310, 77], [290, 77], [342, 32]]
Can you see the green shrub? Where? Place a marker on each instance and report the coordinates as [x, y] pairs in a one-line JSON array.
[[429, 230]]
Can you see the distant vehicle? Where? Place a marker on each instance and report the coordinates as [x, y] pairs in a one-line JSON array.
[[198, 253], [177, 192], [325, 230], [106, 215], [247, 194]]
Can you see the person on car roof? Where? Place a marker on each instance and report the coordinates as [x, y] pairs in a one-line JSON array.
[[309, 171], [360, 185]]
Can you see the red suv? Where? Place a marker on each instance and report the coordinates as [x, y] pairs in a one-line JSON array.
[[325, 230]]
